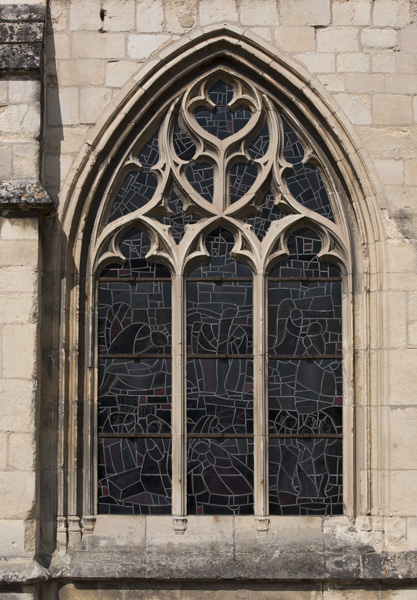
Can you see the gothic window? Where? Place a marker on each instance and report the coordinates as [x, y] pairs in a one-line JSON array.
[[219, 324]]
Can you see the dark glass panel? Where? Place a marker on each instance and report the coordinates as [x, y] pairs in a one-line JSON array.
[[178, 219], [183, 144], [305, 396], [305, 317], [259, 145], [135, 246], [135, 395], [220, 396], [222, 122], [219, 317], [220, 476], [134, 476], [307, 186], [242, 178], [305, 477], [219, 244], [137, 188], [268, 212], [303, 247], [201, 177], [134, 318], [293, 148]]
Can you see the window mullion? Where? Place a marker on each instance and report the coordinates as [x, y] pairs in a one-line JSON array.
[[260, 397], [179, 395]]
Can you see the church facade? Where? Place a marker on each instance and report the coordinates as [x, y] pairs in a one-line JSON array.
[[208, 314]]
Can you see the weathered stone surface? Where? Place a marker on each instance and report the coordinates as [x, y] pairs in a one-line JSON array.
[[25, 194], [20, 57], [21, 33]]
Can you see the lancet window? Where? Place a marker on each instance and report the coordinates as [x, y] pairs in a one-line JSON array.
[[219, 315]]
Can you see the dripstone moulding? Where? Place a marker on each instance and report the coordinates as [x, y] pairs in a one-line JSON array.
[[21, 35], [25, 194]]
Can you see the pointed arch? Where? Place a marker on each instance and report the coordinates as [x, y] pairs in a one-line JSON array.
[[326, 134]]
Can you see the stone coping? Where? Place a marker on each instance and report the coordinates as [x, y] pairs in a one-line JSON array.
[[25, 195], [21, 35], [22, 570]]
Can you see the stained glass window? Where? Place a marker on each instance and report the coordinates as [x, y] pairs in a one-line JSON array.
[[215, 308]]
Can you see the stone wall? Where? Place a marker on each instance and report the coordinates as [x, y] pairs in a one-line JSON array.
[[66, 68]]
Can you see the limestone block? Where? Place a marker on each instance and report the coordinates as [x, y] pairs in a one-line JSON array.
[[304, 12], [20, 229], [384, 63], [391, 13], [319, 63], [403, 487], [400, 84], [398, 319], [98, 45], [408, 41], [412, 333], [392, 109], [17, 279], [24, 91], [296, 39], [21, 454], [352, 62], [338, 39], [76, 591], [213, 11], [412, 533], [403, 434], [4, 88], [18, 254], [415, 108], [203, 534], [390, 142], [391, 172], [403, 376], [5, 162], [333, 591], [396, 533], [333, 82], [19, 122], [93, 102], [180, 15], [85, 15], [59, 15], [142, 46], [264, 32], [17, 308], [26, 161], [58, 46], [119, 72], [379, 38], [150, 16], [410, 171], [17, 491], [406, 63], [81, 72], [363, 83], [19, 595], [12, 538], [357, 108], [62, 106], [354, 12], [408, 592], [3, 451], [279, 591], [401, 256], [19, 350], [264, 12], [119, 15], [117, 531]]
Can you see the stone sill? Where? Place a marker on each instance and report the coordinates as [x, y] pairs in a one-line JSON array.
[[21, 570]]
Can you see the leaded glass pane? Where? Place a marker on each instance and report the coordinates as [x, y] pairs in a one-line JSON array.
[[137, 187], [135, 246], [268, 212], [220, 396], [305, 317], [220, 476], [260, 144], [200, 175], [242, 178], [134, 476], [303, 247], [183, 144], [307, 186], [219, 244], [293, 148], [305, 476], [222, 122], [178, 219]]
